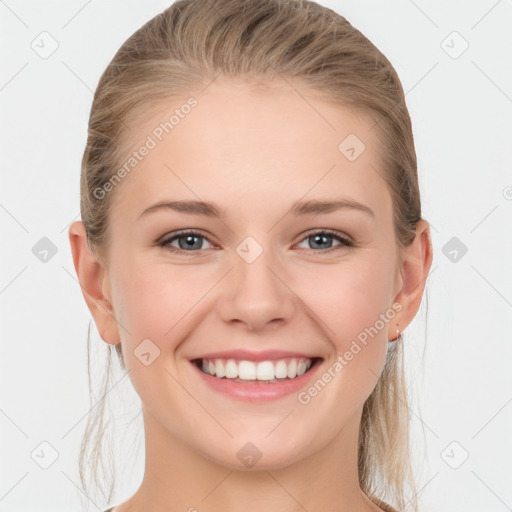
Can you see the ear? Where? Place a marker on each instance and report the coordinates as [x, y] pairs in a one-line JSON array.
[[94, 283], [413, 272]]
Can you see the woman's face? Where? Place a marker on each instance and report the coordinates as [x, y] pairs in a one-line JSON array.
[[258, 282]]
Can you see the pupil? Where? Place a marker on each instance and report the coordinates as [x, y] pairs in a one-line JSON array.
[[318, 238], [190, 241]]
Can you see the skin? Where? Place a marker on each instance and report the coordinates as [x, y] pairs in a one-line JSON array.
[[252, 151]]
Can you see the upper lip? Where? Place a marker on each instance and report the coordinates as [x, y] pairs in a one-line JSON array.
[[248, 355]]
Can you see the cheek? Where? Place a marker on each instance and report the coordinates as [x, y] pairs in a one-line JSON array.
[[350, 299], [352, 304], [156, 302]]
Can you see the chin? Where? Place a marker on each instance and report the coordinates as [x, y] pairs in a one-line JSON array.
[[245, 455]]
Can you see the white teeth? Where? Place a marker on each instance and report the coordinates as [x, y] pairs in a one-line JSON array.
[[246, 370], [231, 369], [219, 369], [281, 370], [262, 370], [292, 369]]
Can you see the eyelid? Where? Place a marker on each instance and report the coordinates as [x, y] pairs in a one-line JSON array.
[[170, 237], [331, 232], [345, 240]]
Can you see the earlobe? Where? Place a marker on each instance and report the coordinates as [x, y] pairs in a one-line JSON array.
[[416, 263], [94, 283]]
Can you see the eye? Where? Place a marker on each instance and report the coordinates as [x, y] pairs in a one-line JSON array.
[[321, 238], [190, 241], [187, 241]]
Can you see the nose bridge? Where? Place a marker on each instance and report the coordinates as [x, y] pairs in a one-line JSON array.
[[256, 293]]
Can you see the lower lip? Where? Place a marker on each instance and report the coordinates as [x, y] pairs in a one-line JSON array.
[[258, 391]]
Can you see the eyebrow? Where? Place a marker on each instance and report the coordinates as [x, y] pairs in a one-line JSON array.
[[298, 208]]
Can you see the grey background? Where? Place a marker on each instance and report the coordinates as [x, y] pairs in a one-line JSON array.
[[461, 105]]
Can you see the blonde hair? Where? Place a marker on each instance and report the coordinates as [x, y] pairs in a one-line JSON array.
[[188, 45]]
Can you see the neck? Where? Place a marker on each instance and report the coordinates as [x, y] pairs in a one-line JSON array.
[[177, 477]]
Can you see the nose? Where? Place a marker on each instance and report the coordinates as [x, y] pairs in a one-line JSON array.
[[257, 294]]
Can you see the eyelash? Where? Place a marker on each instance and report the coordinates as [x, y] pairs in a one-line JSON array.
[[345, 242]]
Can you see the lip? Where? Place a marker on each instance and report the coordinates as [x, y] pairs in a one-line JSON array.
[[248, 355], [256, 392]]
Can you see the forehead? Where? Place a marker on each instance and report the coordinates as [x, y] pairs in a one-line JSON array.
[[252, 142]]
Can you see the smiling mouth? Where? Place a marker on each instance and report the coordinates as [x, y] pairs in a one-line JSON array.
[[251, 372]]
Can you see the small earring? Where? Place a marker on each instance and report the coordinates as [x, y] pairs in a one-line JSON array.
[[398, 335]]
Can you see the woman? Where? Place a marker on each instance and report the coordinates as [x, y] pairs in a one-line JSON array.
[[252, 245]]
